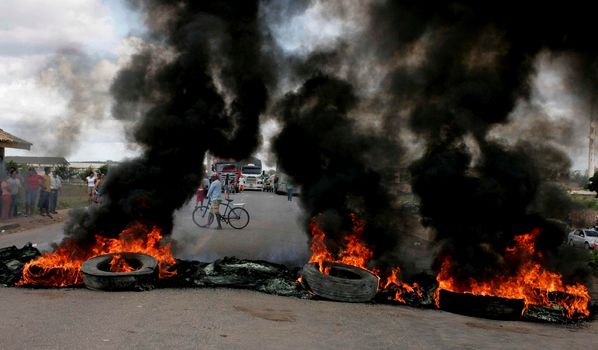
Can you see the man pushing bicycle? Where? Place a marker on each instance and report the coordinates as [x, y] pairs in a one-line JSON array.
[[215, 196]]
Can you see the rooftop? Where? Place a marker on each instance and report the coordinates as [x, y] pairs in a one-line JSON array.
[[11, 141], [38, 160]]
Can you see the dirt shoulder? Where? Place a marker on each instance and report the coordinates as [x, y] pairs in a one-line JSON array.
[[25, 223]]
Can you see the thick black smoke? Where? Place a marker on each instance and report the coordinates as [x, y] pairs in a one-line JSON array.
[[474, 62], [201, 84], [337, 163]]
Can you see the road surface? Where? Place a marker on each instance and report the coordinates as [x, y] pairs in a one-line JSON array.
[[274, 233], [238, 319]]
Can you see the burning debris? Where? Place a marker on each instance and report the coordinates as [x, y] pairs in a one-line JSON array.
[[62, 267], [531, 282], [12, 261], [277, 279]]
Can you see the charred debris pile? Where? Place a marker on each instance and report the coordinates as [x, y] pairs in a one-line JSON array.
[[277, 279]]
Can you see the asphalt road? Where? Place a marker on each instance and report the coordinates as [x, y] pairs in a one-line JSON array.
[[238, 319], [274, 233]]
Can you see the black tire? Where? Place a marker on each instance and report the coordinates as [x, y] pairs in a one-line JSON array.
[[201, 216], [345, 283], [571, 242], [238, 218], [97, 276], [587, 245]]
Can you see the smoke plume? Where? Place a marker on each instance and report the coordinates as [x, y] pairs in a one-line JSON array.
[[200, 85], [338, 165], [475, 63]]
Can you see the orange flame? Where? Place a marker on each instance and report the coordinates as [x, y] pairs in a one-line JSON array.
[[119, 264], [393, 280], [62, 267], [532, 283], [357, 254]]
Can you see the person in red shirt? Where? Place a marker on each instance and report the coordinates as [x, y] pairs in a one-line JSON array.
[[5, 196], [44, 194], [32, 182]]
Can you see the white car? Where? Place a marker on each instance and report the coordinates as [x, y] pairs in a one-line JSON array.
[[587, 238]]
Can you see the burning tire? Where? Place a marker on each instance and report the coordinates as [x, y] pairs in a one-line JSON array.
[[97, 274], [344, 283]]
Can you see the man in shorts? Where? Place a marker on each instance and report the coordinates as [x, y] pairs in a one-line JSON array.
[[215, 196]]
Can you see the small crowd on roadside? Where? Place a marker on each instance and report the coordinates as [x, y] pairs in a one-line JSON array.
[[94, 183], [29, 191]]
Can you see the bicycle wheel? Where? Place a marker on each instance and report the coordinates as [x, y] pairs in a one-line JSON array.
[[201, 216], [238, 218]]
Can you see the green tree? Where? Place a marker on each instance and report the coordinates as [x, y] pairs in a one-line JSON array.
[[10, 164], [103, 169], [65, 172]]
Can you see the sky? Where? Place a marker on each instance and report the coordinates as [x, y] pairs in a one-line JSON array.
[[55, 54], [58, 59]]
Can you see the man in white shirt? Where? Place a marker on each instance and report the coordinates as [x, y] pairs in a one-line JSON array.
[[55, 186], [91, 186]]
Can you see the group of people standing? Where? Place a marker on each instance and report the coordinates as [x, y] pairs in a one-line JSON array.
[[43, 188], [94, 187]]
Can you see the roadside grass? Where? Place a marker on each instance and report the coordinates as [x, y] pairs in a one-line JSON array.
[[72, 196]]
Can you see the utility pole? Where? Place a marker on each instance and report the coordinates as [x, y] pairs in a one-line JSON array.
[[592, 150]]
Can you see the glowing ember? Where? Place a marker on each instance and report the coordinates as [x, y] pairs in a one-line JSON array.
[[62, 267], [532, 283], [119, 264]]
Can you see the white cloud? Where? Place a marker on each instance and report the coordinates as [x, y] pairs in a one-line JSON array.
[[30, 26], [39, 81], [322, 25]]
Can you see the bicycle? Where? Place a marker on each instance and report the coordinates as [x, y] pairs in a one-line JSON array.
[[234, 215]]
